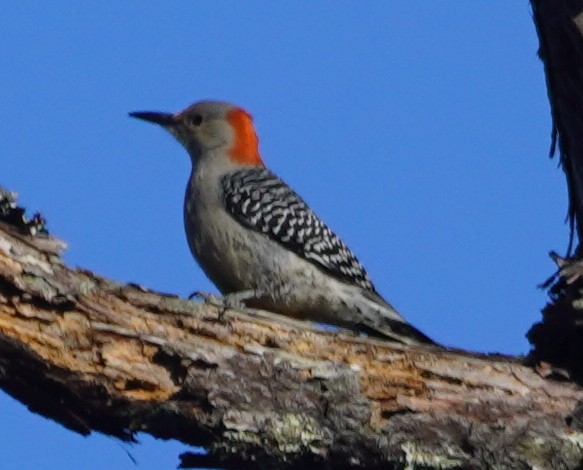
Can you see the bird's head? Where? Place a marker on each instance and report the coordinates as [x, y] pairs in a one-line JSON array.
[[211, 127]]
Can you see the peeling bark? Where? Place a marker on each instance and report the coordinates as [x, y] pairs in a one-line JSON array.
[[259, 390], [558, 338], [560, 31]]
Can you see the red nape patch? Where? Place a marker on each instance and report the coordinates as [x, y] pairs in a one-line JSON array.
[[245, 150]]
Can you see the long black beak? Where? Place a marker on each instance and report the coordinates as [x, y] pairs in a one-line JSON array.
[[163, 119]]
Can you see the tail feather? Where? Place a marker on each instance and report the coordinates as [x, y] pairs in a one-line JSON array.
[[381, 319]]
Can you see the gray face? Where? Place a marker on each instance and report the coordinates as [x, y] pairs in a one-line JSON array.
[[202, 126]]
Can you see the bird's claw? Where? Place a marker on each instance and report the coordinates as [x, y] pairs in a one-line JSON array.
[[234, 300]]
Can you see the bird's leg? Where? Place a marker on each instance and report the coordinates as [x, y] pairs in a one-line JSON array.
[[272, 293], [239, 298], [233, 300]]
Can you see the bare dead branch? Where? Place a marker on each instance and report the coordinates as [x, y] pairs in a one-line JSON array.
[[258, 390]]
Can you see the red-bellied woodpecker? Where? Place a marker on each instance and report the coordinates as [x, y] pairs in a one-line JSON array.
[[258, 241]]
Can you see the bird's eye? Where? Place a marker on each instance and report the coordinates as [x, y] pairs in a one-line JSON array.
[[196, 119]]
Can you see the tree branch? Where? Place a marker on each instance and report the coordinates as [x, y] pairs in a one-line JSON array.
[[256, 389]]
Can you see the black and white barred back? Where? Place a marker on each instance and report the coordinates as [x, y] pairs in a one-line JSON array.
[[260, 200]]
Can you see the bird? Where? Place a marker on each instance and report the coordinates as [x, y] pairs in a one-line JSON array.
[[258, 241]]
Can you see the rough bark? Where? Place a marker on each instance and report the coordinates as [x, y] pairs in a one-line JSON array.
[[257, 390]]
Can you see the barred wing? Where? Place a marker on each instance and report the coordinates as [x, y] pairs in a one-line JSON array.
[[260, 200]]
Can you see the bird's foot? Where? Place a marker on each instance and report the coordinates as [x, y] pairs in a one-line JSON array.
[[238, 299], [234, 300], [207, 298]]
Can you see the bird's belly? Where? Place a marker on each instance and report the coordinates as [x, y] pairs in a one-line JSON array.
[[237, 259]]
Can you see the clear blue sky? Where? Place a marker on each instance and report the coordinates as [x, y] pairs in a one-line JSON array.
[[419, 131]]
